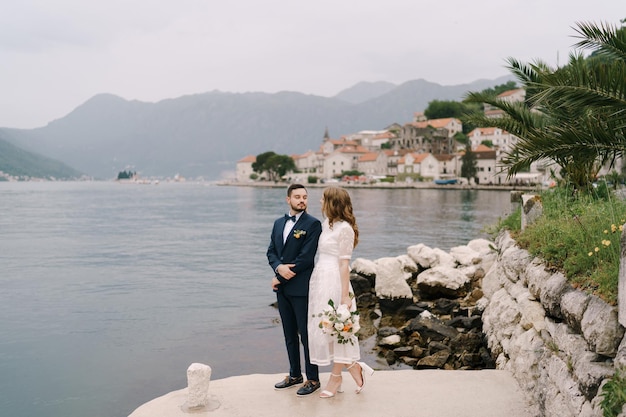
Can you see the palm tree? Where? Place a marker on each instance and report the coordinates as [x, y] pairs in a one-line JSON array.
[[574, 116]]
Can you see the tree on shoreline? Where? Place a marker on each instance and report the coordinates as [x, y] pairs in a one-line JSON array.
[[275, 165], [126, 175], [469, 163]]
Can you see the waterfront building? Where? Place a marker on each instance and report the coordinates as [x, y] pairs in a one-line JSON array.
[[500, 139], [434, 136], [509, 96], [307, 163], [374, 164], [423, 164], [244, 168], [486, 165], [449, 165], [344, 158]]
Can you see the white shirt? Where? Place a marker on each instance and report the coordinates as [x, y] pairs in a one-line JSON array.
[[289, 224]]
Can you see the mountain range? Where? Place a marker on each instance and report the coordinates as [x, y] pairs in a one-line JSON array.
[[205, 134]]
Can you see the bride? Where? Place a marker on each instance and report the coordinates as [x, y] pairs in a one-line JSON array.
[[330, 286]]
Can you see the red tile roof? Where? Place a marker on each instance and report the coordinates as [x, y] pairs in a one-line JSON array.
[[510, 92], [368, 157], [485, 131], [444, 157], [417, 158], [482, 148], [249, 158], [436, 123], [384, 135], [352, 149], [341, 142]]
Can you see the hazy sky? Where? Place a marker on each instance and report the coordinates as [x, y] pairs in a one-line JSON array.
[[56, 54]]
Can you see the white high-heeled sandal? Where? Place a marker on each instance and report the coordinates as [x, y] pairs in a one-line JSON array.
[[330, 394], [364, 368]]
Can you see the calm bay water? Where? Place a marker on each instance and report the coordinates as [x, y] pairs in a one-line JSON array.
[[108, 292]]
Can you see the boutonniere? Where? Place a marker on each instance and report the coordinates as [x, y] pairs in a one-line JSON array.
[[299, 233]]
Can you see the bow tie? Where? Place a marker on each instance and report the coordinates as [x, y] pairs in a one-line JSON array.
[[292, 218]]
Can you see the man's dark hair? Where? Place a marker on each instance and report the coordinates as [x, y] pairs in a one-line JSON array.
[[294, 187]]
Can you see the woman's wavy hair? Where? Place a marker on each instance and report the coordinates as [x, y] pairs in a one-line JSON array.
[[338, 206]]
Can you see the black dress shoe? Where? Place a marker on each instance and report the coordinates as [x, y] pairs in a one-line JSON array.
[[309, 387], [289, 382]]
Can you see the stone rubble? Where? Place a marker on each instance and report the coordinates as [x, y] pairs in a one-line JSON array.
[[425, 304], [491, 305]]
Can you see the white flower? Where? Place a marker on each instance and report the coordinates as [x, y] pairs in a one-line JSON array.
[[343, 313], [326, 325]]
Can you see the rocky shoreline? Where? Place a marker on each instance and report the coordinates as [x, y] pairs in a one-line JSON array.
[[492, 305], [424, 309]]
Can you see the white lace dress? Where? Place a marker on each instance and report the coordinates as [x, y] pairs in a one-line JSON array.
[[334, 244]]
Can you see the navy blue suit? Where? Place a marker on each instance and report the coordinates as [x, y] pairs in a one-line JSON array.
[[293, 294]]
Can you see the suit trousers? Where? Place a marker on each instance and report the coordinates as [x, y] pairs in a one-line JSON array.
[[294, 316]]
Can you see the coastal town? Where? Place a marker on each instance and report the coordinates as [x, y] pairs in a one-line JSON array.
[[421, 150]]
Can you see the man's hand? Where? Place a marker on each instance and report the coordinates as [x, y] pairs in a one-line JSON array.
[[284, 270], [275, 283]]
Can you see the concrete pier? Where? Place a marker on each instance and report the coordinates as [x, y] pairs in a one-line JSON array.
[[399, 393]]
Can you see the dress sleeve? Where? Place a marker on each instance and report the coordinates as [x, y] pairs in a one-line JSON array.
[[346, 242]]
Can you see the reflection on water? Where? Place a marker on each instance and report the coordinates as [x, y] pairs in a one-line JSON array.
[[392, 220]]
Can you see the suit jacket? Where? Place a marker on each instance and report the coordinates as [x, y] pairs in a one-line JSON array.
[[299, 249]]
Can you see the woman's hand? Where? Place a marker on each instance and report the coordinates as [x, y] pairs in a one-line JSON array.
[[346, 300]]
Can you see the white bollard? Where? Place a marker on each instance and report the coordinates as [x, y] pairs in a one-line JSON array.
[[198, 379], [532, 209]]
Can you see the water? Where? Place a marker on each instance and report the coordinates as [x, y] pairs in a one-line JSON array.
[[108, 292]]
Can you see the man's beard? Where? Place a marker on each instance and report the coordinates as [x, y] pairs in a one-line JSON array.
[[297, 209]]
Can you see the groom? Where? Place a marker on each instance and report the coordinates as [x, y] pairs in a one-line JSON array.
[[291, 254]]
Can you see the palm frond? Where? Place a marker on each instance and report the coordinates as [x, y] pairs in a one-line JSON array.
[[608, 40], [585, 84]]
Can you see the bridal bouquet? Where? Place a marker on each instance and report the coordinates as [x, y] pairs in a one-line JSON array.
[[339, 323]]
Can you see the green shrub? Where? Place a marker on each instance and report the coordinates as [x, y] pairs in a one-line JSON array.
[[402, 177], [512, 223], [578, 234], [613, 395]]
